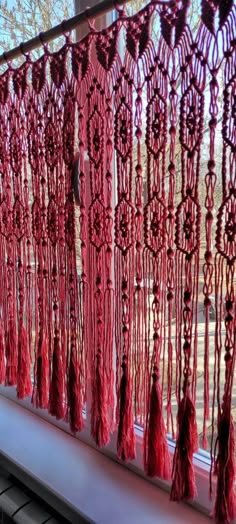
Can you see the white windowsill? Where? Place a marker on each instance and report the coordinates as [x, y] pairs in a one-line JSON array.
[[82, 483]]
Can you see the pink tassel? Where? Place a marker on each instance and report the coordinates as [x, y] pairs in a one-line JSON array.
[[225, 507], [99, 410], [2, 356], [40, 396], [24, 385], [11, 356], [157, 459], [183, 486], [56, 400], [74, 396], [126, 439]]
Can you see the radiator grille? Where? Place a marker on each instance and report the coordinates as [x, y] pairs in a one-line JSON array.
[[19, 505]]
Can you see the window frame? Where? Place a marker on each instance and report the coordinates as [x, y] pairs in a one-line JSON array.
[[201, 458]]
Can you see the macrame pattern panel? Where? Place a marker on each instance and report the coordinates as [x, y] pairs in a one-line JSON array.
[[41, 323], [109, 303]]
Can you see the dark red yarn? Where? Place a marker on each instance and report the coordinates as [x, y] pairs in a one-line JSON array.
[[225, 507], [11, 356], [99, 414], [120, 274], [2, 355], [183, 486], [75, 416], [126, 438], [56, 404], [157, 459], [40, 394], [24, 385]]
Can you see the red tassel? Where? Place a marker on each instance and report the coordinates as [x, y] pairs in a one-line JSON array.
[[74, 396], [56, 400], [40, 397], [157, 459], [126, 439], [2, 355], [183, 486], [99, 410], [24, 385], [11, 356], [225, 508]]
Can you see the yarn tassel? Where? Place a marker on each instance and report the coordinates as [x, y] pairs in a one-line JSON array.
[[126, 439], [11, 356], [2, 356], [56, 401], [157, 459], [225, 507], [74, 395], [24, 385], [183, 486], [99, 410], [41, 395]]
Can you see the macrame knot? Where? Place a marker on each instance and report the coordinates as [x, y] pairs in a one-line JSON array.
[[208, 256], [124, 363], [90, 21], [121, 11], [187, 297], [207, 302]]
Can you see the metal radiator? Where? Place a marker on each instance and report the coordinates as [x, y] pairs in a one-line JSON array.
[[17, 505]]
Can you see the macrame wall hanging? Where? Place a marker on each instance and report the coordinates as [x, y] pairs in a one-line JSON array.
[[111, 300]]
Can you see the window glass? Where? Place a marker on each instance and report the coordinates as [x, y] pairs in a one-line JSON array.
[[22, 20]]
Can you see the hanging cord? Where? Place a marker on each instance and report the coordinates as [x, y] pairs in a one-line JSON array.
[[66, 26]]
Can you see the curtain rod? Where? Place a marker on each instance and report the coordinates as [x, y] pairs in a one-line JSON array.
[[66, 26], [60, 29]]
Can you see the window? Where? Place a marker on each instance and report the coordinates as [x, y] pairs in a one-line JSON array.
[[148, 103]]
